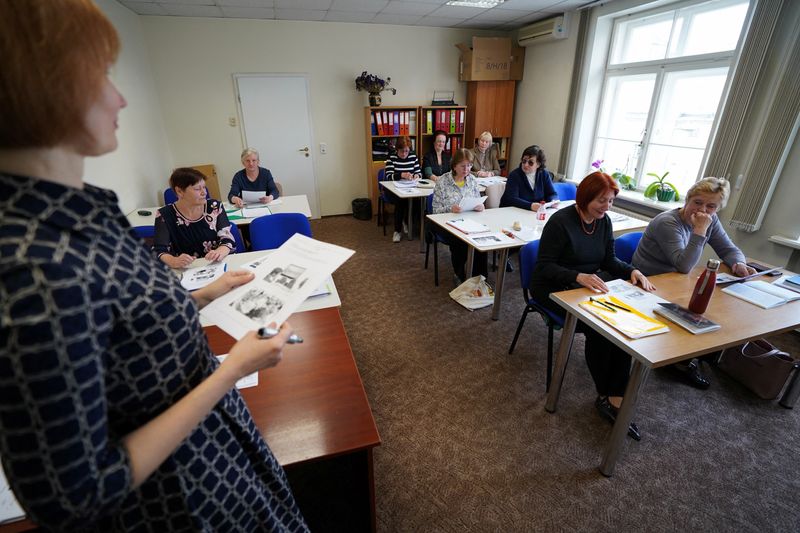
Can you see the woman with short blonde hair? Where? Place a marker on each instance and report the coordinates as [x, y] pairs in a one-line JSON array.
[[486, 162]]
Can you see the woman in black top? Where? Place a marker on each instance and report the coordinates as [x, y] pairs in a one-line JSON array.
[[192, 227], [401, 165], [436, 162], [576, 249]]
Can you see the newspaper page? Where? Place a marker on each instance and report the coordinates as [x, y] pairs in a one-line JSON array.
[[283, 281]]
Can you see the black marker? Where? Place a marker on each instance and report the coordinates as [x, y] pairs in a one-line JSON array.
[[268, 333]]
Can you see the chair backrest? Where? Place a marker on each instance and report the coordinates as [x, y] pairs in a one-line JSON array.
[[382, 174], [145, 232], [527, 262], [429, 205], [271, 231], [279, 187], [170, 197], [565, 190], [625, 245], [237, 236], [493, 194]]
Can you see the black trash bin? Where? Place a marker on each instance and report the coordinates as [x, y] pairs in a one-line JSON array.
[[362, 208]]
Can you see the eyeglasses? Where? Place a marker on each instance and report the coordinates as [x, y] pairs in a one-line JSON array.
[[529, 161]]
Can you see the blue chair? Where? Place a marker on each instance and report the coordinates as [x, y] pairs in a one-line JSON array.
[[170, 197], [383, 198], [432, 237], [527, 263], [237, 236], [271, 231], [625, 245], [145, 232], [565, 190]]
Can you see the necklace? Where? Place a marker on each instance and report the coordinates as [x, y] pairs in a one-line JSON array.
[[592, 226]]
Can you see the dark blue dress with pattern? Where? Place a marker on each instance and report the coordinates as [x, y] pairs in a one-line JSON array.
[[97, 337]]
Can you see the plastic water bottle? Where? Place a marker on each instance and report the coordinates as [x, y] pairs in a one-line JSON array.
[[704, 288], [540, 214]]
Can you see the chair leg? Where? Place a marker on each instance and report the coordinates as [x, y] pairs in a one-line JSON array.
[[519, 329], [435, 263], [427, 248], [549, 358], [380, 210]]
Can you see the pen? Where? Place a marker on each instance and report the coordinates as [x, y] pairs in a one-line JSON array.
[[619, 307], [268, 333], [603, 304]]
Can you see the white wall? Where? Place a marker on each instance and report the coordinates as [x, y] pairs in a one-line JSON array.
[[141, 165], [542, 97], [193, 60]]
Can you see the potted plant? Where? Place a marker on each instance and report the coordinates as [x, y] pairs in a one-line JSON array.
[[625, 181], [661, 189], [374, 86]]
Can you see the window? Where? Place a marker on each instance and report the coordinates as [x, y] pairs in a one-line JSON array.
[[663, 83]]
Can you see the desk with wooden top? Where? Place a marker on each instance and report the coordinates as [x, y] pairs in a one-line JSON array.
[[741, 321], [504, 217]]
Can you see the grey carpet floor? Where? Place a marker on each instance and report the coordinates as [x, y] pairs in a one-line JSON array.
[[468, 446]]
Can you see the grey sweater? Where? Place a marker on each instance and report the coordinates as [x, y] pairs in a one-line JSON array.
[[669, 245]]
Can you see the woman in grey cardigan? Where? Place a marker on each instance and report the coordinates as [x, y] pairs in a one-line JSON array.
[[674, 242]]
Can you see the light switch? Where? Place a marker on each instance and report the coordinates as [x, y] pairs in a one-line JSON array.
[[323, 148]]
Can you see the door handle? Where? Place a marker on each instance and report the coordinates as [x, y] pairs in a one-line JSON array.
[[306, 150]]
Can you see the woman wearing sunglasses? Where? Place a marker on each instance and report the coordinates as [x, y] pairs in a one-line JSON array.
[[530, 183]]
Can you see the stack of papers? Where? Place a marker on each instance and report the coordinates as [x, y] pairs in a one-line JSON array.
[[624, 317], [468, 226], [761, 293]]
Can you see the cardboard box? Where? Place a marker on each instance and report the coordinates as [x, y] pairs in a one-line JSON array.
[[490, 59]]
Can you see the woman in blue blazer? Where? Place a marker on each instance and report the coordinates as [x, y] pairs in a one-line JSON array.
[[530, 183]]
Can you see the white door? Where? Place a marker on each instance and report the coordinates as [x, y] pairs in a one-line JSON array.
[[276, 122]]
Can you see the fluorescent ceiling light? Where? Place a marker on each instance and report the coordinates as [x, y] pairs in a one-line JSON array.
[[485, 4]]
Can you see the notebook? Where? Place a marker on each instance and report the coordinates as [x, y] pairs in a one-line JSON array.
[[761, 293]]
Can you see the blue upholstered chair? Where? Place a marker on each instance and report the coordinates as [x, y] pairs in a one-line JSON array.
[[237, 236], [383, 198], [432, 238], [527, 263], [271, 231], [565, 190], [145, 232], [625, 245]]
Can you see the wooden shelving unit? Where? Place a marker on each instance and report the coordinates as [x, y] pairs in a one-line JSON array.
[[490, 107]]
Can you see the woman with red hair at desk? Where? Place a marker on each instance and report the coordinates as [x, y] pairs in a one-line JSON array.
[[577, 250], [115, 414]]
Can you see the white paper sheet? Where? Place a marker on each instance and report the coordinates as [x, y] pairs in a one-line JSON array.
[[469, 203], [407, 191], [198, 277], [286, 278], [491, 239], [250, 380], [10, 509], [253, 212], [322, 290], [405, 184], [526, 233], [253, 198], [490, 180]]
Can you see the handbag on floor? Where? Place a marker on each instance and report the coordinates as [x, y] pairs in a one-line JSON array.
[[474, 293], [761, 367]]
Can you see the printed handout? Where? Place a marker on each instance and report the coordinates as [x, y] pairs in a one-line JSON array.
[[253, 198], [469, 203], [198, 277], [491, 239], [284, 279]]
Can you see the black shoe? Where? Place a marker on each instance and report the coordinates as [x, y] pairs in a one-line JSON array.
[[691, 374], [509, 266], [609, 412]]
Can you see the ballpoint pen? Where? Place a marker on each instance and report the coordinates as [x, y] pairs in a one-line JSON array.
[[618, 306], [603, 304], [268, 333]]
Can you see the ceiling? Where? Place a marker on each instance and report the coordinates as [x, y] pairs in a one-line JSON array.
[[510, 15]]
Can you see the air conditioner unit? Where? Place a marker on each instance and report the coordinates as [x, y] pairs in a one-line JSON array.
[[544, 31]]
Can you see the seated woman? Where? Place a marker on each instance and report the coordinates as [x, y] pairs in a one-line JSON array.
[[436, 162], [450, 189], [576, 249], [252, 178], [401, 165], [674, 242], [192, 227], [530, 183], [485, 163]]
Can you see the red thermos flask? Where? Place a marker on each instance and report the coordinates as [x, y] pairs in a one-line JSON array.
[[704, 288]]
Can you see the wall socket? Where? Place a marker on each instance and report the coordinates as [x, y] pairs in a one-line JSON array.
[[232, 122], [323, 148]]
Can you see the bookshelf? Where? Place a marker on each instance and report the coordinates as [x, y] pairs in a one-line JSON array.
[[450, 119], [382, 131], [490, 106]]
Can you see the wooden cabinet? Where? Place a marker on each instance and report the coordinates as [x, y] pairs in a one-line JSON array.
[[383, 125], [490, 106]]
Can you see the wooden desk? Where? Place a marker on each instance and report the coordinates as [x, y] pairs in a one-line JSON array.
[[311, 408], [289, 204], [741, 321], [504, 217]]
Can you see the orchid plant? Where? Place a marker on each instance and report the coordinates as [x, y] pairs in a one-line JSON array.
[[373, 84], [625, 181]]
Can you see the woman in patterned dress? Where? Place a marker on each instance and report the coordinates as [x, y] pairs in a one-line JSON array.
[[192, 227], [114, 413]]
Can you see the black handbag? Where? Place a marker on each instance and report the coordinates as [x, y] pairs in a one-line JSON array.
[[759, 366]]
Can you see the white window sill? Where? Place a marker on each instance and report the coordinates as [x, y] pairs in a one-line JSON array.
[[636, 202]]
